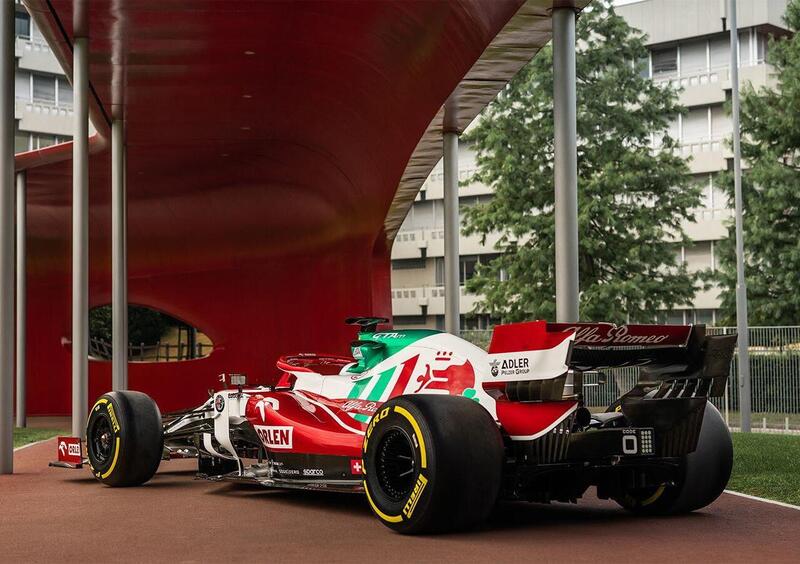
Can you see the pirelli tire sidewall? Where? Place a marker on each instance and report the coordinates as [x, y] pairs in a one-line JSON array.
[[137, 442], [399, 514], [458, 455]]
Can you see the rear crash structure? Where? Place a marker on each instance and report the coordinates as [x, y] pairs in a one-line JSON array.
[[433, 430]]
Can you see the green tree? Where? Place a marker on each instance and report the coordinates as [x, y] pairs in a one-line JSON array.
[[632, 199], [145, 325], [770, 126]]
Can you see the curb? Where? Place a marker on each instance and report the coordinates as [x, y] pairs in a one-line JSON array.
[[33, 444], [770, 501]]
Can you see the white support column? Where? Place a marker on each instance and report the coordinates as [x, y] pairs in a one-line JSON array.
[[741, 285], [7, 189], [565, 165], [452, 293], [119, 259], [22, 308], [80, 237]]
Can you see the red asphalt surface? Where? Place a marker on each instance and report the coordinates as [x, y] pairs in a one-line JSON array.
[[57, 515]]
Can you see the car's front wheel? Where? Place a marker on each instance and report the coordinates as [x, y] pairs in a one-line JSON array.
[[124, 438], [433, 463]]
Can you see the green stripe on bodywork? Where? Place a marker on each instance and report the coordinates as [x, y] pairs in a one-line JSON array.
[[380, 386], [357, 388], [360, 417]]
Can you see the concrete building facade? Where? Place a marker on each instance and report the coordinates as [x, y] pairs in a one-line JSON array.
[[43, 108], [688, 44]]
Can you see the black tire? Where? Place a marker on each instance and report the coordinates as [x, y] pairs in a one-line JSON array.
[[124, 438], [433, 463], [704, 475]]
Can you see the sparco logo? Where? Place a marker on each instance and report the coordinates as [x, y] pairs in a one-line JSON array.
[[275, 437]]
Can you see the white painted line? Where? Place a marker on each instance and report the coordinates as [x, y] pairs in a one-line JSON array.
[[770, 501], [33, 444]]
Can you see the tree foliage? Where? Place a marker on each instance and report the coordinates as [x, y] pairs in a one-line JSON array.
[[145, 325], [632, 199], [770, 126]]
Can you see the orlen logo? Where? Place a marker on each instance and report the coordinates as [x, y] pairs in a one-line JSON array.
[[277, 437], [69, 450]]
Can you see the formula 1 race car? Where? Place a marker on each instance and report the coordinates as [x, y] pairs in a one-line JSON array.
[[434, 430]]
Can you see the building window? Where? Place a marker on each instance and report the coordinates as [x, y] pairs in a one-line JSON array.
[[643, 66], [477, 322], [22, 140], [439, 268], [22, 25], [44, 88], [693, 58], [675, 317], [408, 264], [695, 125], [665, 61], [744, 48], [719, 52], [703, 317], [409, 320], [44, 140], [761, 47], [64, 92], [22, 85], [697, 256], [466, 268]]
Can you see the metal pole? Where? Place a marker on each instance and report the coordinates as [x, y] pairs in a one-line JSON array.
[[7, 62], [119, 260], [80, 237], [22, 230], [741, 285], [452, 294], [565, 165]]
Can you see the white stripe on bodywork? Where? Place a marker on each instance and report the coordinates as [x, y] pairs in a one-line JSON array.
[[329, 412]]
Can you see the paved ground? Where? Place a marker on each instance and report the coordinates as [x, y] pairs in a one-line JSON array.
[[49, 514]]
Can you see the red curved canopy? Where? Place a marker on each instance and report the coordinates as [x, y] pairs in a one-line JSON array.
[[273, 150]]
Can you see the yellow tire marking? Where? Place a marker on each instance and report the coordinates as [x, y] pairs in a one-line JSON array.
[[113, 462], [378, 512], [407, 415], [655, 495], [98, 402]]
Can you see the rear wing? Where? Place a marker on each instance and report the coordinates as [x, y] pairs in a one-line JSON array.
[[665, 352]]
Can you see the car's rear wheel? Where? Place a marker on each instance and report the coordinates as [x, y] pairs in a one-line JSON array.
[[124, 438], [433, 463], [702, 478]]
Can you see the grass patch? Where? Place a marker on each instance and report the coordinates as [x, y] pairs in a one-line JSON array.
[[766, 466], [24, 436]]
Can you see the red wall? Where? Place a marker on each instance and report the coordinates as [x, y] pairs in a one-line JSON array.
[[265, 145], [253, 314]]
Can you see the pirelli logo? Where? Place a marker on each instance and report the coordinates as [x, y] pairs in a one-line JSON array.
[[413, 499], [113, 416]]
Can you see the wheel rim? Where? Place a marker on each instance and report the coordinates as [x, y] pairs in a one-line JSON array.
[[396, 467], [101, 440]]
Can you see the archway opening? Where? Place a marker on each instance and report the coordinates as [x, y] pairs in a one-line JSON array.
[[153, 336]]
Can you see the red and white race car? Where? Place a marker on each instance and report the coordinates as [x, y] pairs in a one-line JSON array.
[[434, 430]]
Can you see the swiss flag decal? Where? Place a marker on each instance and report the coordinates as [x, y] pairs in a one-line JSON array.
[[356, 467]]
